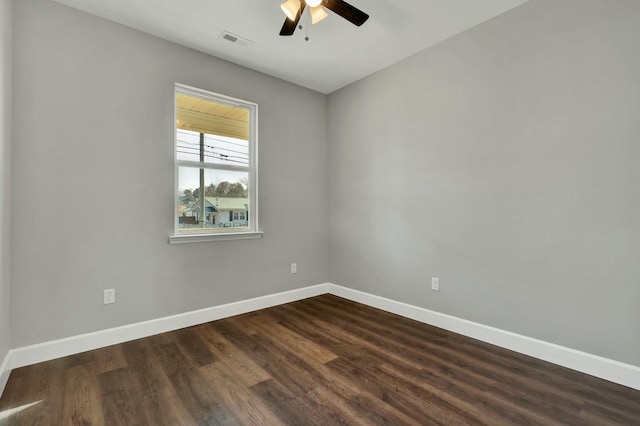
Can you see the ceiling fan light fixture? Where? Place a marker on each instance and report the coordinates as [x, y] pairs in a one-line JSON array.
[[339, 7], [291, 8], [317, 14]]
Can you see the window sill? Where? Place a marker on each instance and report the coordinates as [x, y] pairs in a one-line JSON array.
[[203, 238]]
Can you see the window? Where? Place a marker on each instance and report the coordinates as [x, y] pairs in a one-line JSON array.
[[215, 167]]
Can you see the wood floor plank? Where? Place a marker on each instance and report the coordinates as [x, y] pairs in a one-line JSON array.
[[378, 412], [307, 374], [121, 405], [83, 401], [144, 367], [246, 321], [394, 394], [319, 361], [594, 414], [192, 389], [247, 408], [305, 347], [536, 378], [44, 384], [288, 376], [441, 358], [194, 347], [408, 356], [345, 410], [246, 370], [20, 391], [281, 402], [109, 358], [164, 407]]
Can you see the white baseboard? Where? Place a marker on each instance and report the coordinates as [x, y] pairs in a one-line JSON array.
[[614, 371], [5, 370], [604, 368], [40, 352]]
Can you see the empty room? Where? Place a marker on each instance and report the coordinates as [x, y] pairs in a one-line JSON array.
[[316, 212]]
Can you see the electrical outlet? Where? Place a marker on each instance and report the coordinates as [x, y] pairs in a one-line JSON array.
[[294, 268], [435, 284], [110, 296]]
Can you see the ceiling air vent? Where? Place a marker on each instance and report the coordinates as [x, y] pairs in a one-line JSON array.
[[236, 39]]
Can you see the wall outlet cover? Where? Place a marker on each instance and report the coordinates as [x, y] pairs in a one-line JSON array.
[[435, 284], [109, 296]]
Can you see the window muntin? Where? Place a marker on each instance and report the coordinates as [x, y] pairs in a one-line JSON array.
[[215, 165]]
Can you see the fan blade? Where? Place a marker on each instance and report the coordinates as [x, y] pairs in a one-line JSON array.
[[348, 12], [289, 26]]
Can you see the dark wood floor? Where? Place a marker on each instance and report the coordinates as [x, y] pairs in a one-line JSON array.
[[320, 361]]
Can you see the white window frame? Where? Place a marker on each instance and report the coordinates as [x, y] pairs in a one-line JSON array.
[[219, 234]]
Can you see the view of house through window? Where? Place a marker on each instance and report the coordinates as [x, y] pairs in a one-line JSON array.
[[215, 168]]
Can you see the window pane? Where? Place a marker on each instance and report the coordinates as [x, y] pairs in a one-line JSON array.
[[225, 202], [210, 131], [214, 149]]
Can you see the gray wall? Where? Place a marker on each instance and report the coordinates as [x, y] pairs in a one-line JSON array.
[[5, 166], [92, 179], [505, 161]]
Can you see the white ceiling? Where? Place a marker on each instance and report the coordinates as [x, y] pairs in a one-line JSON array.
[[337, 54]]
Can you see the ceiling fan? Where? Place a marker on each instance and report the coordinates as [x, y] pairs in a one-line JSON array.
[[294, 8]]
